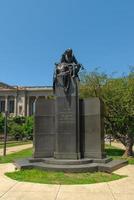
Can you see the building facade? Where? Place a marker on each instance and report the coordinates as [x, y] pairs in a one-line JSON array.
[[19, 101]]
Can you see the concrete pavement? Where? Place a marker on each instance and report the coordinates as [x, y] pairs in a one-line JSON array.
[[118, 145], [122, 189], [16, 148]]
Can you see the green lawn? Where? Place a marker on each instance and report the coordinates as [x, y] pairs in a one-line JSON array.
[[14, 156], [40, 176], [117, 153], [15, 143]]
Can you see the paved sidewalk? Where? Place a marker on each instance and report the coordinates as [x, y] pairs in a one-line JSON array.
[[122, 189], [16, 148], [118, 145]]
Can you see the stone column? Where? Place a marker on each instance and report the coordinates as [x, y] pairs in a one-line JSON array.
[[6, 103], [28, 98], [36, 97], [15, 106]]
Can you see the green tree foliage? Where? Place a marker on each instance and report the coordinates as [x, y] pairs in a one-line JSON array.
[[117, 95], [19, 127], [28, 128], [1, 123]]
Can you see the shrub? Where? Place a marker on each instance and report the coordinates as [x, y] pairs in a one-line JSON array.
[[19, 128], [1, 123]]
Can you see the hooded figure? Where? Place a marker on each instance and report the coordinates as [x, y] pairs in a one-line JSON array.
[[67, 68], [68, 57]]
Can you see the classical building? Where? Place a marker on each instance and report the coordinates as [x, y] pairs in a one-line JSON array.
[[20, 100]]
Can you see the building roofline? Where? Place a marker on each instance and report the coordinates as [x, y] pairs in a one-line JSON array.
[[34, 86], [5, 87]]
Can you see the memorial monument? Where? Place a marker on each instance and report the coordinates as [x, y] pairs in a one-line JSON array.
[[69, 131]]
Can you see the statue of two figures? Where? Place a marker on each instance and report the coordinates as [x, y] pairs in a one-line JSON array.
[[66, 73]]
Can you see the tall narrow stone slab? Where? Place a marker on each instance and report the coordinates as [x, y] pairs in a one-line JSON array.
[[67, 138], [92, 128], [44, 130], [67, 123]]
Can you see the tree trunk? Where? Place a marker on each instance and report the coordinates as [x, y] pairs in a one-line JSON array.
[[129, 146]]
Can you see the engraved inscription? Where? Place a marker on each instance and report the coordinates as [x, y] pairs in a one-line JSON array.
[[66, 116]]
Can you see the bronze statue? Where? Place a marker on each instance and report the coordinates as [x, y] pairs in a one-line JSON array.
[[68, 57], [67, 68]]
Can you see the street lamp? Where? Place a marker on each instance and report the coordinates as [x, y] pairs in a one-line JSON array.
[[5, 133]]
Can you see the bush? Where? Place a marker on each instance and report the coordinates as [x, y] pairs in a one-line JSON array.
[[16, 131], [19, 128], [28, 128], [1, 123]]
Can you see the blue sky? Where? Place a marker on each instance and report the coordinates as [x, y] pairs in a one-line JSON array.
[[34, 34]]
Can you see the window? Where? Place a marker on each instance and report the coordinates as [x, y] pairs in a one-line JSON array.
[[11, 106], [2, 106]]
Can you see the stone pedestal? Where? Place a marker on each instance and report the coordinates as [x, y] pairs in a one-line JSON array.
[[67, 122], [57, 146]]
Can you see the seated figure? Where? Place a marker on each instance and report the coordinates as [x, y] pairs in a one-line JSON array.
[[67, 68]]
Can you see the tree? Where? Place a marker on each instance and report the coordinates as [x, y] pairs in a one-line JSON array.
[[119, 118], [117, 95], [1, 123], [20, 127], [28, 127]]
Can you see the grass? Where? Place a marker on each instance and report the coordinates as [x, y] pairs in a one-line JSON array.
[[114, 152], [45, 177], [14, 143], [14, 156], [117, 153]]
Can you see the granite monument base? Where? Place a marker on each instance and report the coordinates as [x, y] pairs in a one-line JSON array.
[[62, 142], [69, 128]]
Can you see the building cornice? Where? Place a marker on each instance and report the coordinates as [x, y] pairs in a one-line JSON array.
[[7, 88]]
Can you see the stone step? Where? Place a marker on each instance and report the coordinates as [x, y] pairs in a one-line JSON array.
[[68, 168], [90, 167], [112, 166], [67, 162], [61, 161]]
